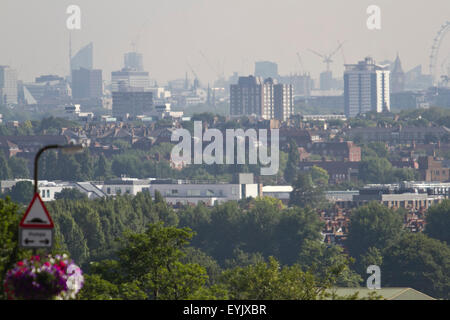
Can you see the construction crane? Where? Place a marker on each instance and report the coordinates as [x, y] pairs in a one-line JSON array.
[[327, 58], [302, 71], [192, 70], [217, 72]]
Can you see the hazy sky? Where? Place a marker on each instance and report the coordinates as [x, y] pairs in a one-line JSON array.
[[231, 33]]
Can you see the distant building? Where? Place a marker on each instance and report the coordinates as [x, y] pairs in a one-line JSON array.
[[283, 101], [302, 84], [246, 97], [129, 78], [398, 135], [8, 85], [133, 60], [132, 103], [366, 88], [84, 58], [415, 80], [326, 80], [87, 84], [344, 151], [397, 77], [431, 169], [268, 99], [266, 69]]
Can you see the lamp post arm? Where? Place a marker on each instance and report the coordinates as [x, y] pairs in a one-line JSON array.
[[36, 159]]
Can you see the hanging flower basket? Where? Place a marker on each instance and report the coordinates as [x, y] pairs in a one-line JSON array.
[[44, 278]]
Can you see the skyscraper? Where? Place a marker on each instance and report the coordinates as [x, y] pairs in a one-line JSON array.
[[366, 88], [87, 84], [246, 96], [8, 85], [129, 78], [132, 103], [266, 69], [268, 99], [133, 60], [84, 58]]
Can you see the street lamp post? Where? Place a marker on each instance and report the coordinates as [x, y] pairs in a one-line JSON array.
[[71, 148]]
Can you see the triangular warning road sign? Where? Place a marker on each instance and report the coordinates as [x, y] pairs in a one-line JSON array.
[[36, 215]]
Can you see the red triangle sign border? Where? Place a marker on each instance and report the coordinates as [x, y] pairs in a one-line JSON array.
[[30, 225]]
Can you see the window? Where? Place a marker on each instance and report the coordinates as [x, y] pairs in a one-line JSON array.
[[174, 191], [48, 193], [43, 193], [108, 190]]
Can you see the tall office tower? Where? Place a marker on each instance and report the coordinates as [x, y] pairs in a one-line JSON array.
[[133, 60], [8, 85], [129, 78], [268, 99], [326, 80], [397, 77], [283, 101], [246, 96], [84, 58], [266, 69], [87, 84], [132, 103], [366, 88]]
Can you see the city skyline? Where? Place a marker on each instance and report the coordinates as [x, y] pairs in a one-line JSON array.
[[214, 37]]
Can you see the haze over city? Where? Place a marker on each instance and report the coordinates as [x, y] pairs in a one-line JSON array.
[[231, 34]]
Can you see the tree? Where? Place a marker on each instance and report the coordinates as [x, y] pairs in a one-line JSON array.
[[96, 288], [22, 192], [103, 168], [10, 252], [291, 171], [70, 194], [5, 171], [438, 222], [375, 170], [328, 261], [372, 225], [305, 193], [19, 168], [270, 281], [152, 260], [419, 262], [319, 176]]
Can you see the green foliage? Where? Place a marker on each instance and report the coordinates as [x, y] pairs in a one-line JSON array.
[[5, 171], [319, 176], [96, 288], [22, 192], [149, 267], [419, 262], [380, 170], [328, 263], [10, 252], [89, 229], [19, 168], [291, 171], [306, 193], [70, 194], [259, 226], [372, 225], [438, 222], [270, 281]]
